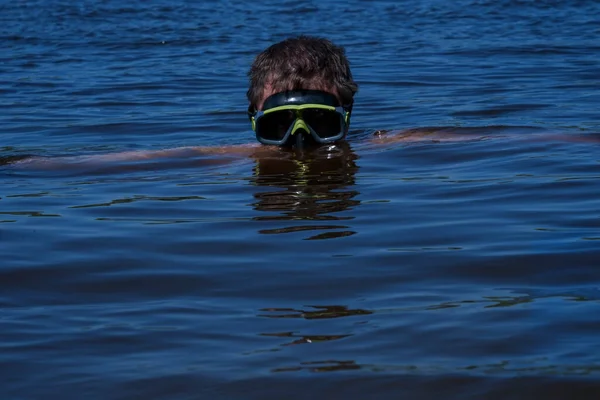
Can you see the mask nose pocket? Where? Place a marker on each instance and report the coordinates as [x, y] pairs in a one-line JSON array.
[[300, 126]]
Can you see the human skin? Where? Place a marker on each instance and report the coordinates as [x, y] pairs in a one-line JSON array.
[[254, 150], [257, 150]]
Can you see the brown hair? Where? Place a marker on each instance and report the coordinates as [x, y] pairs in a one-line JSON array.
[[302, 62]]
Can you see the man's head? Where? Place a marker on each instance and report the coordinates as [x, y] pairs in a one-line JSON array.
[[297, 65]]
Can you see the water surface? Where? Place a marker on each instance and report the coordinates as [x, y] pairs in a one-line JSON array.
[[460, 265]]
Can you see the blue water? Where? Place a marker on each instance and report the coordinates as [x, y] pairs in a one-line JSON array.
[[454, 255]]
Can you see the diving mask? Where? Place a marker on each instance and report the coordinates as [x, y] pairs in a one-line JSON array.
[[285, 114]]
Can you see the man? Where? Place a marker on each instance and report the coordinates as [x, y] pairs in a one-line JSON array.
[[301, 93]]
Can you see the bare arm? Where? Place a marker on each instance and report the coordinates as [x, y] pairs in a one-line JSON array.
[[99, 160], [421, 135], [451, 134]]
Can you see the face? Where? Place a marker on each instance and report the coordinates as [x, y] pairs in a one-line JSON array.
[[318, 126]]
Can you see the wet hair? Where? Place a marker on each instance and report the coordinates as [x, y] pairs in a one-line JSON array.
[[303, 62]]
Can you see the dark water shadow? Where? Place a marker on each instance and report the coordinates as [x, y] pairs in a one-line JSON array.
[[322, 313], [311, 189], [10, 159], [302, 339], [317, 312]]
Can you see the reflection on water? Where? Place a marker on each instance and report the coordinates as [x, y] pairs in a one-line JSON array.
[[313, 186], [322, 316], [319, 312], [301, 339], [139, 198], [446, 358], [4, 160], [321, 366], [502, 367]]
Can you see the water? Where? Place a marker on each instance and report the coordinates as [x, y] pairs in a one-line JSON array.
[[462, 264]]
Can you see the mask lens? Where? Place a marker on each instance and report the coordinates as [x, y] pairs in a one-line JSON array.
[[273, 126], [326, 123]]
